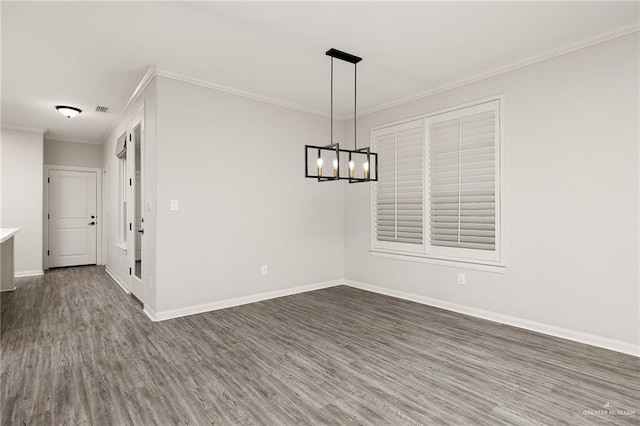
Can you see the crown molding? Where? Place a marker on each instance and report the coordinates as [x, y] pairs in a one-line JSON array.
[[146, 79], [23, 128], [57, 138], [158, 71], [174, 75], [540, 56]]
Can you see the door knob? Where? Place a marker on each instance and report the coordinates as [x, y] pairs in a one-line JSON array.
[[92, 223]]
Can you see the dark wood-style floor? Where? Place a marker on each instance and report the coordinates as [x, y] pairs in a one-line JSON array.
[[76, 349]]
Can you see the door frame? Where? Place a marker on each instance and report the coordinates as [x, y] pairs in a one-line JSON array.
[[99, 212], [138, 119]]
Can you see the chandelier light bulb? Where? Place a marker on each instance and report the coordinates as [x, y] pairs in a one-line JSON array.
[[320, 163], [335, 167], [365, 168], [352, 166]]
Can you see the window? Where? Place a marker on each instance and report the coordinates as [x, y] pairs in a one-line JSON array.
[[399, 192], [438, 193]]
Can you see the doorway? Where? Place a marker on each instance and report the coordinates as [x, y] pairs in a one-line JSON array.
[[135, 152], [72, 227]]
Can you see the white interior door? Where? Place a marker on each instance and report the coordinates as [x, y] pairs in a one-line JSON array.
[[72, 218]]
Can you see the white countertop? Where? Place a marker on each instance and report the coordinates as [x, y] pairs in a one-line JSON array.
[[6, 233]]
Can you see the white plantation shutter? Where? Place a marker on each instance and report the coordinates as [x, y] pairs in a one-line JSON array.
[[463, 181], [438, 189], [399, 191]]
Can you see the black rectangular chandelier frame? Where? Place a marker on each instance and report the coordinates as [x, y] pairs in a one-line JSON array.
[[370, 165], [371, 176]]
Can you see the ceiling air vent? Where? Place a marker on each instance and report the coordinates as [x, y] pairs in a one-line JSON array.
[[101, 108]]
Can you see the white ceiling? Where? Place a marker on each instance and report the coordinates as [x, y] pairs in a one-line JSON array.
[[87, 54]]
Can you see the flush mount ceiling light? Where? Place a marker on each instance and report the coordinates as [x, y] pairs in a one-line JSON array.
[[355, 165], [68, 111]]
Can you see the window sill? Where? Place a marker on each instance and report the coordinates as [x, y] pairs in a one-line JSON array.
[[457, 263], [122, 246]]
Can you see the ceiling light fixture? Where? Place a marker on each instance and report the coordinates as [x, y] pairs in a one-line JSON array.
[[68, 111], [361, 164]]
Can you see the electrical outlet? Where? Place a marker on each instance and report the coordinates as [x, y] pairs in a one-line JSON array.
[[462, 279], [174, 205], [265, 269]]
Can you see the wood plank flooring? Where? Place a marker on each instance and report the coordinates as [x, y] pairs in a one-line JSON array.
[[77, 350]]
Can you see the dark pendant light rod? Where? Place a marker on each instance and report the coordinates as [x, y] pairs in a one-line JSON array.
[[355, 106], [331, 117]]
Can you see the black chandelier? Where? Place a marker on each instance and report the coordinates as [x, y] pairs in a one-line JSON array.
[[355, 165]]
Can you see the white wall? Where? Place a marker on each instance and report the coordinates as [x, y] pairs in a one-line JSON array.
[[117, 262], [571, 205], [236, 167], [62, 153], [21, 154]]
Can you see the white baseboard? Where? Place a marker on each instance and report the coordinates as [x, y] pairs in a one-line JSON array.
[[551, 330], [8, 289], [229, 303], [150, 313], [23, 274], [117, 280]]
